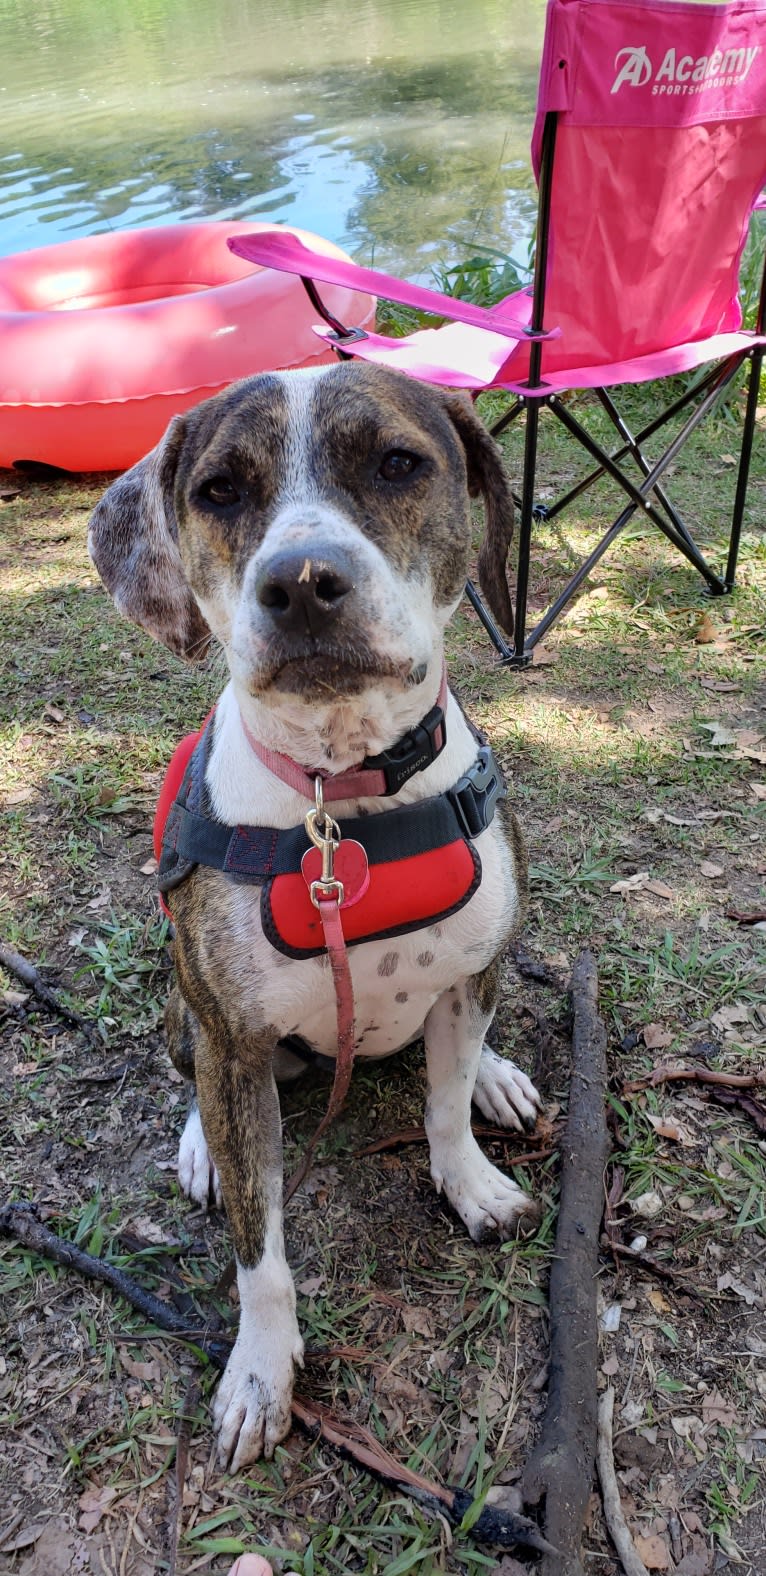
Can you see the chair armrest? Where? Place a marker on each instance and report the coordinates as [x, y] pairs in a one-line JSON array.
[[288, 255]]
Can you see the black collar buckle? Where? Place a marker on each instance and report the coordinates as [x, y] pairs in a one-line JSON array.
[[475, 796], [413, 752]]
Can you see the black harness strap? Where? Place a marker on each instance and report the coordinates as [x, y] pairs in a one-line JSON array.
[[258, 853]]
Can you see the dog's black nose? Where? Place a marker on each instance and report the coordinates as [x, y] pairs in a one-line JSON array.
[[304, 592]]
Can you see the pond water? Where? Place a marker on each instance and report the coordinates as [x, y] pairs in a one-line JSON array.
[[398, 128]]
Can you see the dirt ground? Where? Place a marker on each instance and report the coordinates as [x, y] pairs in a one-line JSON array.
[[636, 757]]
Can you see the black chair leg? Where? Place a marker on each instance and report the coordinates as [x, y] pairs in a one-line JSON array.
[[744, 468]]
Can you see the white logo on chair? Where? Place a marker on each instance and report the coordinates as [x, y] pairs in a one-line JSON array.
[[636, 70], [680, 73]]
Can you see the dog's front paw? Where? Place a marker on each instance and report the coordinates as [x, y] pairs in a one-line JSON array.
[[196, 1172], [488, 1202], [504, 1093], [251, 1411]]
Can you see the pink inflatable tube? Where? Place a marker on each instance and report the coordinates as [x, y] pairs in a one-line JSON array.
[[103, 339]]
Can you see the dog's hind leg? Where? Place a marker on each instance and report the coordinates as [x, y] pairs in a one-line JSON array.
[[486, 1200], [197, 1174]]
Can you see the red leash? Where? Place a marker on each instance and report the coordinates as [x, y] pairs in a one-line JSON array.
[[329, 894]]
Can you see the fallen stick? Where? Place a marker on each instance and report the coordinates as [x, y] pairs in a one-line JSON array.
[[650, 1266], [417, 1135], [560, 1469], [29, 976], [613, 1516], [20, 1222], [497, 1527], [703, 1075], [184, 1428], [494, 1526]]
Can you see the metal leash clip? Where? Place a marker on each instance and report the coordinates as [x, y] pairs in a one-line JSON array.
[[325, 835]]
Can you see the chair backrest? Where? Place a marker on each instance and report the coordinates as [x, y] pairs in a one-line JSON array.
[[659, 157]]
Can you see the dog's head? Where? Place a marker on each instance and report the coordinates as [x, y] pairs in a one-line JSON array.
[[317, 523]]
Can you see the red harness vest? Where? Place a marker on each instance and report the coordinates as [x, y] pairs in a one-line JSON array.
[[423, 864]]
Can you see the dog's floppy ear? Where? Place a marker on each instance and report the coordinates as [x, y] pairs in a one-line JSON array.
[[133, 541], [487, 476]]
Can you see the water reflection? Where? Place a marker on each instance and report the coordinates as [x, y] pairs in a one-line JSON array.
[[399, 129]]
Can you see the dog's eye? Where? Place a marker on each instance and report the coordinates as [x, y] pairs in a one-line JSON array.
[[219, 490], [398, 464]]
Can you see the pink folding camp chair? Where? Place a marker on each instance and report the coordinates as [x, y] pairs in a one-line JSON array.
[[650, 152]]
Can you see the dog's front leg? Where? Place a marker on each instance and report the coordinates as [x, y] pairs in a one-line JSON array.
[[239, 1108], [486, 1200]]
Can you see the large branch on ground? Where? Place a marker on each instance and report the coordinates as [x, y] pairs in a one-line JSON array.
[[561, 1467]]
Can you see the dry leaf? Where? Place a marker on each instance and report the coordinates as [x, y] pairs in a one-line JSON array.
[[723, 686], [726, 1017], [707, 868], [149, 1372], [686, 1425], [631, 883], [706, 632], [54, 712], [719, 736], [418, 1321], [311, 1287], [146, 1228], [716, 1409], [664, 1128], [55, 1551], [101, 900], [643, 882], [759, 789], [19, 796], [660, 889], [23, 1538], [655, 1037], [150, 867], [658, 1302], [541, 658], [611, 1367], [697, 1561], [14, 998], [653, 1551], [94, 1503], [729, 1282]]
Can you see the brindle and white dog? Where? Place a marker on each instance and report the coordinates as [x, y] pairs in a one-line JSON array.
[[364, 476]]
